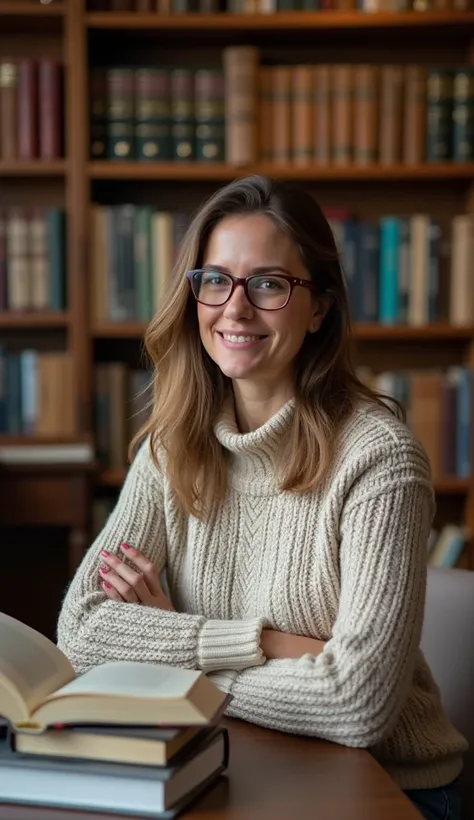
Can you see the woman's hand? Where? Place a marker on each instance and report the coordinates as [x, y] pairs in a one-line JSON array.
[[122, 583], [282, 645]]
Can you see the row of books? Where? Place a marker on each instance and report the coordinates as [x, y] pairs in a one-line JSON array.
[[394, 268], [406, 270], [36, 393], [244, 112], [274, 6], [133, 249], [33, 259], [131, 738], [31, 109], [121, 401], [440, 410]]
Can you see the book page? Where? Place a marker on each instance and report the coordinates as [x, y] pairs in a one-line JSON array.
[[131, 679], [33, 664]]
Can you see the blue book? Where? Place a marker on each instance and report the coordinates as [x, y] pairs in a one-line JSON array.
[[389, 270]]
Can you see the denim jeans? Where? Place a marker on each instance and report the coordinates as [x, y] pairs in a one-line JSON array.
[[443, 803]]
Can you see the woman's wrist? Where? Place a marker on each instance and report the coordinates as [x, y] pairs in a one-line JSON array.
[[280, 645]]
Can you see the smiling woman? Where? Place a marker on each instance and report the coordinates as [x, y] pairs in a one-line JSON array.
[[287, 505]]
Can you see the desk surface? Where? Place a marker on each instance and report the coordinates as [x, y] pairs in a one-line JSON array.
[[277, 776]]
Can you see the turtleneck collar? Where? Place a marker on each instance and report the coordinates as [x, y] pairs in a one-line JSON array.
[[252, 455]]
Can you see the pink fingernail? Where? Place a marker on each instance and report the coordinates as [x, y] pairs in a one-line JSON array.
[[126, 546], [105, 553], [104, 569], [106, 585]]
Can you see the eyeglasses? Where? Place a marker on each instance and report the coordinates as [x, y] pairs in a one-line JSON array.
[[266, 291]]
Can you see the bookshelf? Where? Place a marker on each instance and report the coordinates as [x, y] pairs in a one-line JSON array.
[[86, 39]]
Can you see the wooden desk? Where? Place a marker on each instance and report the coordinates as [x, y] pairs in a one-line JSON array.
[[273, 776]]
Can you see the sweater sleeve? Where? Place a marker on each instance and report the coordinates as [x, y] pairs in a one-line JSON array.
[[354, 690], [93, 629]]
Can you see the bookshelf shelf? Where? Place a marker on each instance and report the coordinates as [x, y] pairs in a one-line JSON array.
[[451, 485], [33, 9], [119, 330], [363, 332], [199, 172], [295, 21], [36, 168], [32, 321], [428, 333], [110, 478], [28, 441]]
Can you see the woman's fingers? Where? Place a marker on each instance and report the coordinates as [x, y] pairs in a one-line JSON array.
[[111, 592], [145, 566], [130, 584]]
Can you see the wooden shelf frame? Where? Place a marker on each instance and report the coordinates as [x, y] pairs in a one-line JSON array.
[[281, 21], [33, 168], [35, 8], [203, 172], [33, 321]]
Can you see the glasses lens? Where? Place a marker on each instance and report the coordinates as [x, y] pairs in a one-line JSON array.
[[211, 287], [268, 292]]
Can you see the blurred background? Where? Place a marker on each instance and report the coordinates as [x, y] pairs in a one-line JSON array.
[[117, 118]]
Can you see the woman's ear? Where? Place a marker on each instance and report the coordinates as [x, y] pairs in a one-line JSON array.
[[321, 306]]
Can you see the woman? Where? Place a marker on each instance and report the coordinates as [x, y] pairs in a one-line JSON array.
[[288, 505]]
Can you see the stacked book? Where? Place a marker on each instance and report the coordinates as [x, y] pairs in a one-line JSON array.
[[122, 738]]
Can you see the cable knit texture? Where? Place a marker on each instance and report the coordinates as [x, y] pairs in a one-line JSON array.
[[345, 564]]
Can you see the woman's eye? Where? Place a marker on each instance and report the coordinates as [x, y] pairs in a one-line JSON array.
[[213, 279], [267, 284]]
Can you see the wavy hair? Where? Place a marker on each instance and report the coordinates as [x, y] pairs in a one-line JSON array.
[[189, 389]]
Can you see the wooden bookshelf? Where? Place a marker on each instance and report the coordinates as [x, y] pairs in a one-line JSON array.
[[281, 21], [29, 321], [84, 38], [220, 172], [12, 8], [35, 168]]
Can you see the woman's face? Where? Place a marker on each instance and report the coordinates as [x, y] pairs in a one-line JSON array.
[[248, 343]]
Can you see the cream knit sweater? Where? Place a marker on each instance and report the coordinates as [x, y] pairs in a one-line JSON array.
[[345, 564]]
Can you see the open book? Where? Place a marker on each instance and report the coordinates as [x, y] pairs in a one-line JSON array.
[[38, 688]]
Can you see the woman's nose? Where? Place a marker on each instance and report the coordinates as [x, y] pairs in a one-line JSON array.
[[238, 304]]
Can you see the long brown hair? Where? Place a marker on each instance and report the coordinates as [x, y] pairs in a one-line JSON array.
[[188, 387]]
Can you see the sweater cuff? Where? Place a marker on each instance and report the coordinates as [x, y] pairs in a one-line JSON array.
[[224, 679], [230, 645]]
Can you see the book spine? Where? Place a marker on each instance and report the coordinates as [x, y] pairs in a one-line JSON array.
[[391, 115], [153, 114], [415, 115], [183, 123], [265, 110], [440, 104], [366, 118], [302, 120], [241, 91], [120, 114], [322, 114], [282, 147], [98, 113], [50, 109], [210, 115], [389, 242], [8, 110], [27, 109], [463, 116], [342, 110]]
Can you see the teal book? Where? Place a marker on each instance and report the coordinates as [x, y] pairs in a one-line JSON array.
[[389, 270]]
